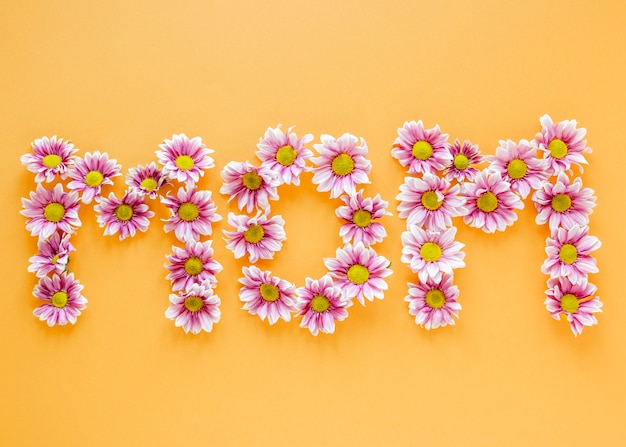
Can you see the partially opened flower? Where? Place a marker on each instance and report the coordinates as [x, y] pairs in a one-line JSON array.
[[89, 174], [252, 187], [124, 216], [146, 180], [433, 303], [569, 253], [195, 310], [192, 211], [266, 295], [62, 298], [341, 165], [463, 157], [562, 144], [193, 264], [576, 302], [259, 237], [284, 154], [184, 159], [360, 216], [320, 303], [50, 157], [49, 211], [54, 255], [421, 150]]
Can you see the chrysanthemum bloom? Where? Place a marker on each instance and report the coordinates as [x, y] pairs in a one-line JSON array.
[[360, 215], [89, 174], [569, 253], [146, 180], [431, 253], [54, 255], [433, 303], [575, 301], [50, 157], [360, 272], [430, 202], [183, 159], [462, 158], [518, 164], [49, 211], [124, 216], [192, 214], [266, 295], [342, 164], [321, 304], [259, 237], [562, 144], [63, 299], [252, 187], [421, 150], [564, 204], [193, 264], [284, 154], [195, 310], [490, 203]]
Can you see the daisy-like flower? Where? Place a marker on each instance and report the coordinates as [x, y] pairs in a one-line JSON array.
[[342, 164], [50, 157], [192, 214], [195, 310], [124, 216], [360, 215], [183, 159], [320, 304], [574, 301], [63, 299], [360, 272], [564, 204], [54, 255], [430, 202], [421, 150], [463, 157], [146, 180], [266, 295], [518, 164], [562, 144], [569, 255], [252, 187], [431, 253], [490, 203], [433, 303], [49, 211], [259, 237], [284, 154], [89, 174], [193, 264]]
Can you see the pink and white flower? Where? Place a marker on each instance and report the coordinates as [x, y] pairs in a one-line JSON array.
[[184, 159], [421, 150], [266, 295], [434, 303], [252, 187], [146, 180], [50, 157], [193, 264], [195, 310], [574, 301], [192, 211], [562, 144], [463, 157], [320, 304], [54, 255], [62, 298], [259, 237], [284, 154], [124, 216], [341, 165], [360, 216], [49, 211], [89, 174], [569, 253]]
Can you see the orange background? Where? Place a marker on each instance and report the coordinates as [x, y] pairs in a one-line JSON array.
[[120, 77]]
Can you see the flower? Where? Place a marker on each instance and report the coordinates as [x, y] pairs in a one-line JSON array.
[[192, 213], [183, 159], [562, 144], [89, 174], [433, 303], [266, 295], [50, 157], [517, 164], [431, 253], [422, 150], [51, 210], [259, 236], [430, 202], [284, 154], [63, 299], [321, 304], [125, 216], [360, 215], [568, 253], [462, 157], [490, 203], [146, 180], [54, 255], [193, 264], [196, 310], [575, 301], [564, 204], [359, 271], [342, 164], [252, 187]]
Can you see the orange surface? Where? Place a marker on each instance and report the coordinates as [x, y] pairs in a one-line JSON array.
[[121, 77]]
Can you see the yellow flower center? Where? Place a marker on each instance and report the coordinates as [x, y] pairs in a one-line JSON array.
[[358, 274], [557, 148], [461, 162], [269, 292], [184, 162], [148, 184], [569, 303], [193, 266], [252, 180], [124, 212], [188, 211], [194, 303], [320, 303], [94, 178], [431, 252], [286, 155], [517, 169], [362, 218], [54, 212], [59, 299], [254, 234], [422, 150], [431, 201], [568, 253], [561, 203], [55, 259], [488, 202], [51, 161], [435, 299], [342, 165]]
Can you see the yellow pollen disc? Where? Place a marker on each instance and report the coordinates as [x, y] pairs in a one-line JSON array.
[[188, 211], [55, 259], [517, 169], [51, 161], [269, 292], [461, 162], [193, 265], [358, 274], [320, 303], [286, 155], [124, 212], [254, 234], [568, 253], [362, 218], [342, 164], [252, 180], [184, 162], [561, 203], [194, 303], [54, 212], [422, 150], [557, 148], [488, 202], [569, 303], [59, 299], [148, 184], [94, 178], [431, 201], [435, 299], [431, 252]]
